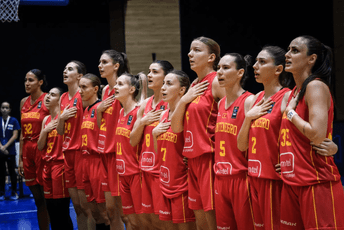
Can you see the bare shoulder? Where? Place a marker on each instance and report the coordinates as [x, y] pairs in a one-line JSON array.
[[23, 101]]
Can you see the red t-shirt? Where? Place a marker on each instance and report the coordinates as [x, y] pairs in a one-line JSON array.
[[106, 144], [263, 152], [53, 149], [127, 157], [90, 130], [173, 171], [72, 133], [300, 164], [32, 117], [199, 122], [148, 159], [229, 160]]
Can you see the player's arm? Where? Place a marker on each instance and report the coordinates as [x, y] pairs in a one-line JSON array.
[[217, 91], [21, 141], [42, 140]]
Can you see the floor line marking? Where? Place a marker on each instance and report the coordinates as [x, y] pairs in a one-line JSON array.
[[20, 212]]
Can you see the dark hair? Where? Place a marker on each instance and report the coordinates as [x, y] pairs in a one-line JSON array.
[[165, 65], [80, 67], [121, 59], [278, 55], [59, 89], [95, 81], [9, 105], [213, 48], [242, 63], [40, 76], [322, 68], [183, 79]]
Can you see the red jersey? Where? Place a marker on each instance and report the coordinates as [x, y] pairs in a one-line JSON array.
[[263, 152], [72, 133], [173, 171], [200, 121], [148, 160], [300, 164], [32, 117], [53, 149], [229, 160], [127, 157], [108, 125], [90, 130]]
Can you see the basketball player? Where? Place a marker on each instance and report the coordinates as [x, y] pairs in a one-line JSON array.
[[69, 125], [174, 208], [111, 65], [233, 204], [89, 86], [196, 114], [54, 184], [312, 195], [147, 119], [127, 157], [33, 111]]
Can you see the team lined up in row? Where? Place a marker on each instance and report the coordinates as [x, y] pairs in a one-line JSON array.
[[254, 161]]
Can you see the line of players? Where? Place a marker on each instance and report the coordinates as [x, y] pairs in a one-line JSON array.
[[253, 161]]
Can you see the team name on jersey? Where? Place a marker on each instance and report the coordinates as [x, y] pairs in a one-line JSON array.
[[53, 133], [261, 123], [224, 127], [109, 110], [87, 125], [34, 115], [168, 136], [123, 132]]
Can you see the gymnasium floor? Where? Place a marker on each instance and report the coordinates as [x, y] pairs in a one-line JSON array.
[[21, 214]]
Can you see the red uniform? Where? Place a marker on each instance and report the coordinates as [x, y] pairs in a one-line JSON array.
[[31, 123], [232, 194], [127, 164], [72, 142], [173, 177], [199, 146], [149, 163], [53, 170], [107, 145], [312, 196], [92, 161], [265, 182]]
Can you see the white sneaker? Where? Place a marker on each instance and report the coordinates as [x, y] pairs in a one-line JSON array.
[[2, 198]]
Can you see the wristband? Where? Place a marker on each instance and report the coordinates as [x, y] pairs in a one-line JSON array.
[[291, 114]]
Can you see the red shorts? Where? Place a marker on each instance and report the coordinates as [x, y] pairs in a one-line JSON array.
[[73, 168], [201, 182], [53, 180], [266, 202], [151, 193], [91, 178], [33, 167], [130, 187], [319, 206], [233, 205], [176, 209], [110, 177]]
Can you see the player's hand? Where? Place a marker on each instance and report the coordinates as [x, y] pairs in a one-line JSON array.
[[326, 148], [151, 117], [105, 104], [195, 91], [259, 109], [51, 126], [278, 168], [68, 112], [21, 168], [292, 103], [161, 128]]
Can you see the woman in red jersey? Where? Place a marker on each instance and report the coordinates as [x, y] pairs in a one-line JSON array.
[[312, 195], [147, 120], [174, 208], [111, 65], [69, 125], [89, 86], [196, 114], [54, 185], [259, 136], [33, 111], [233, 204], [127, 157]]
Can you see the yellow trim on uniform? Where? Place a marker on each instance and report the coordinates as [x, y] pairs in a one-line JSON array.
[[315, 209], [334, 209]]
